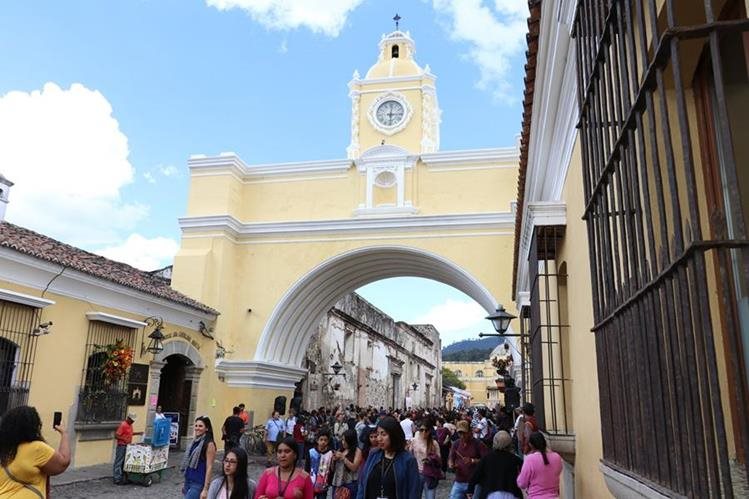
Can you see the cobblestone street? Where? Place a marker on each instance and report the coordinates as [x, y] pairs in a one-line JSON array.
[[169, 487]]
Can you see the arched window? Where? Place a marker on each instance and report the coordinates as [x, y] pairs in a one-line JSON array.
[[394, 52], [479, 374]]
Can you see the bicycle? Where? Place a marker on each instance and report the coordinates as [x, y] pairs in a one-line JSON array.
[[253, 441]]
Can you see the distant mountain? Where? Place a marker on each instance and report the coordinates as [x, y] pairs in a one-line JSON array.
[[481, 346]]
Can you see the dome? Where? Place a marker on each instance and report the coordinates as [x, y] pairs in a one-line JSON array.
[[396, 57]]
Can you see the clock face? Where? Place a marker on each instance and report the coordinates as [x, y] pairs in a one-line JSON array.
[[390, 113]]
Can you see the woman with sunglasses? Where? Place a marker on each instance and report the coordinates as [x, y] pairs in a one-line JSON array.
[[233, 483], [426, 451], [285, 480]]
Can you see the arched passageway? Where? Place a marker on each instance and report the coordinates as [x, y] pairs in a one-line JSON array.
[[286, 334]]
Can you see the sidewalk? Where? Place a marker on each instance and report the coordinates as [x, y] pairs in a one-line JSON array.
[[101, 471]]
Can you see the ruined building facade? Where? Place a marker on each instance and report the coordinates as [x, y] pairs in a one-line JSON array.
[[382, 360]]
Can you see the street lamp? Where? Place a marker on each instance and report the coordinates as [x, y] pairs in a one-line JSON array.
[[156, 343], [500, 320], [336, 370]]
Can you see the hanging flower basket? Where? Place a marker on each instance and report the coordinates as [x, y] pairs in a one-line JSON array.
[[118, 359]]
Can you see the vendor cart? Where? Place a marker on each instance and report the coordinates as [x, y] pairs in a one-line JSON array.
[[143, 462]]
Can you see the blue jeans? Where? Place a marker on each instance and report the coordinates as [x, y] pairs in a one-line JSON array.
[[430, 493], [459, 490], [119, 462], [192, 490]]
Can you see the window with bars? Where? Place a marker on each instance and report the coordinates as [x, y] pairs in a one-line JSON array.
[[663, 100], [547, 332], [103, 394], [17, 353]]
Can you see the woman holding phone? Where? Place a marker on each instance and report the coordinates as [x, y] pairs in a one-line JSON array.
[[26, 461]]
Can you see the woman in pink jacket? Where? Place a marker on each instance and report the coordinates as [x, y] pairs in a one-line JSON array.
[[539, 476]]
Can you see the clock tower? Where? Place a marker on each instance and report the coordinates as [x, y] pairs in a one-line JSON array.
[[395, 103]]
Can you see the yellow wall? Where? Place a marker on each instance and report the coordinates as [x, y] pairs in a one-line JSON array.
[[476, 385], [582, 366]]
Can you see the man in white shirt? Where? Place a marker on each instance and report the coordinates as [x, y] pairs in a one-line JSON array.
[[408, 427], [291, 422]]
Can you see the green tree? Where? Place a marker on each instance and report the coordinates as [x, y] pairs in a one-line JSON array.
[[449, 378]]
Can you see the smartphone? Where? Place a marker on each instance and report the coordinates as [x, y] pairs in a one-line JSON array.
[[56, 419]]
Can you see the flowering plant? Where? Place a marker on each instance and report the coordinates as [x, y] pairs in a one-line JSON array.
[[118, 359]]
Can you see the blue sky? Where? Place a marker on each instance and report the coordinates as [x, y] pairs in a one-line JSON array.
[[101, 103]]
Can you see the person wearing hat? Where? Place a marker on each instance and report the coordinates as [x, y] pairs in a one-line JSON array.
[[497, 473], [124, 437], [465, 454]]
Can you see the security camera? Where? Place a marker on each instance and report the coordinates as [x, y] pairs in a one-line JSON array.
[[42, 329]]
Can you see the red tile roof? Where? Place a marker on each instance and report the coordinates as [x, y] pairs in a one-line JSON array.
[[530, 79], [45, 248]]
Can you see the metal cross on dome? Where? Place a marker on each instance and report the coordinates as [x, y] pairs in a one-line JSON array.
[[396, 18]]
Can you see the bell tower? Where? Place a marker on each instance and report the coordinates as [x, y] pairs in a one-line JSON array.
[[396, 101]]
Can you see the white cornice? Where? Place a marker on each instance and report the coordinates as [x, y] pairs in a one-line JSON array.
[[472, 156], [115, 319], [31, 301], [237, 229], [259, 374], [232, 163], [535, 215], [34, 273], [394, 79]]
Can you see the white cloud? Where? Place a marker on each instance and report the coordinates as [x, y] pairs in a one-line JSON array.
[[146, 254], [149, 177], [69, 161], [168, 170], [283, 48], [454, 316], [319, 16], [494, 33]]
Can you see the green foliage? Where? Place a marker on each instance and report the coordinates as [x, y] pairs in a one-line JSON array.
[[473, 344], [474, 354], [449, 378]]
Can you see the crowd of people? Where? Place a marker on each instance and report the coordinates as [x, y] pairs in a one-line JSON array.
[[376, 453], [342, 453]]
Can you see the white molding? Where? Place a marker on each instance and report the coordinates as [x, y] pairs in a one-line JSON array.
[[115, 319], [23, 299], [398, 97], [381, 211], [34, 273], [524, 299], [259, 374], [234, 164], [239, 230], [472, 156], [426, 87], [396, 79], [621, 485], [553, 132]]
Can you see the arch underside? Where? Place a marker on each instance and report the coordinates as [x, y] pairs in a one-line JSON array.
[[286, 335]]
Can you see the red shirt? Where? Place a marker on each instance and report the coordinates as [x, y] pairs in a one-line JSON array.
[[124, 433]]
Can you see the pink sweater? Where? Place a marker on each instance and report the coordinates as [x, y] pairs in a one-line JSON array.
[[542, 481]]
